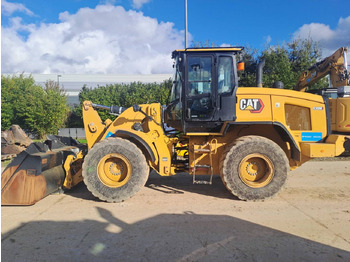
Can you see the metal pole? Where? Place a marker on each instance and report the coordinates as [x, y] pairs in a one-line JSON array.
[[185, 24], [58, 79]]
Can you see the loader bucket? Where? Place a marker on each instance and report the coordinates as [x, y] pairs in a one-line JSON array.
[[38, 171]]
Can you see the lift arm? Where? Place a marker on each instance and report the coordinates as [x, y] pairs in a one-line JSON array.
[[334, 65]]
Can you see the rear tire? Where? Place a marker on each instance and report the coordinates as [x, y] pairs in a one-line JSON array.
[[254, 168], [115, 169]]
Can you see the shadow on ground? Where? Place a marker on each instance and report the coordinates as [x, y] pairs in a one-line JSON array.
[[166, 237], [184, 183], [177, 184]]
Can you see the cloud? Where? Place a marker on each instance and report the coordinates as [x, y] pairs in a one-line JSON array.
[[139, 3], [9, 8], [107, 40], [268, 39], [329, 39]]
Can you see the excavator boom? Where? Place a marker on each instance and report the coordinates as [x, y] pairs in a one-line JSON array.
[[334, 65]]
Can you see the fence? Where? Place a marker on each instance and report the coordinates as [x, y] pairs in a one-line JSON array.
[[76, 133]]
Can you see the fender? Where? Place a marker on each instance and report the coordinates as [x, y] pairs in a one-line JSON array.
[[134, 138], [286, 135]]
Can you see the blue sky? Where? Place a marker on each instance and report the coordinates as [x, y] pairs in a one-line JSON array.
[[137, 36]]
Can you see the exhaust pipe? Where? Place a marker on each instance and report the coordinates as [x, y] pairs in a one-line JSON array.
[[259, 73]]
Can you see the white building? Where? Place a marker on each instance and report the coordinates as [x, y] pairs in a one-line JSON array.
[[73, 83]]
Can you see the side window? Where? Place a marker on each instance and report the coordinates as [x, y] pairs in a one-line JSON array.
[[176, 88], [199, 75], [175, 107], [225, 77]]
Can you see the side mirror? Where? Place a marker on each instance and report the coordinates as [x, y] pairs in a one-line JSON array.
[[240, 66]]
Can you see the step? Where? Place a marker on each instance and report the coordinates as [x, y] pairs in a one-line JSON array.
[[201, 182], [202, 150], [202, 166]]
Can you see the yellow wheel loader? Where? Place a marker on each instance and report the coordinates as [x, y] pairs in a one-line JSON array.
[[251, 137]]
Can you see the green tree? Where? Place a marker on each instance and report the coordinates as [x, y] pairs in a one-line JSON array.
[[55, 106], [37, 109], [125, 95], [277, 67], [201, 44], [282, 63], [248, 76]]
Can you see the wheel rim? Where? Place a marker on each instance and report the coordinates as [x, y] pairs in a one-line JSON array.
[[256, 170], [114, 170]]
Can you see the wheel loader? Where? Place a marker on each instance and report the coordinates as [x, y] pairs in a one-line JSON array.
[[251, 137]]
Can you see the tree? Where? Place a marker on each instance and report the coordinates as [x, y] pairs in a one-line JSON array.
[[124, 95], [55, 105], [37, 109], [201, 44], [277, 67], [248, 77], [282, 63]]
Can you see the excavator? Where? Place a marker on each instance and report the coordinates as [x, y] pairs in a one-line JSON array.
[[251, 137], [335, 66]]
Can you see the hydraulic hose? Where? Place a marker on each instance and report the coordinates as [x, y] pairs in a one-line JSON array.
[[112, 109]]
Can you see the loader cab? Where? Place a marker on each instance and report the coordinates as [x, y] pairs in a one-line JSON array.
[[203, 94]]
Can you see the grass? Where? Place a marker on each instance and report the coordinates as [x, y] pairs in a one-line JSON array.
[[83, 141], [5, 163]]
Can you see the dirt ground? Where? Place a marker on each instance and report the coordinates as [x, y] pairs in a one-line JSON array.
[[172, 220]]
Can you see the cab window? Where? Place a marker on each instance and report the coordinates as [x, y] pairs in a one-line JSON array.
[[175, 106], [199, 75], [225, 75], [199, 88], [176, 88]]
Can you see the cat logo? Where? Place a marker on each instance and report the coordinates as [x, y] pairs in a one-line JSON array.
[[254, 105]]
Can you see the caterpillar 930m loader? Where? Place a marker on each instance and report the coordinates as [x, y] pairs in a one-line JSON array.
[[252, 137]]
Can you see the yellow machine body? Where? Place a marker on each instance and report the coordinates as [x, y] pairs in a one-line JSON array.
[[271, 113], [340, 114], [155, 144], [302, 116]]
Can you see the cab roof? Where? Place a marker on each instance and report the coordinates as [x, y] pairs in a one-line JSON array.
[[236, 49]]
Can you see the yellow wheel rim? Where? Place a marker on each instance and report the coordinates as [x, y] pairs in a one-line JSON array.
[[114, 170], [256, 170]]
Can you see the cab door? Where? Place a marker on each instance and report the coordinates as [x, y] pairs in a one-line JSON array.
[[199, 88], [227, 82]]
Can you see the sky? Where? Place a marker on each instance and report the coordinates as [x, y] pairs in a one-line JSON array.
[[138, 36]]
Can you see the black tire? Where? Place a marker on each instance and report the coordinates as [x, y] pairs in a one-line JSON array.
[[254, 168], [115, 169]]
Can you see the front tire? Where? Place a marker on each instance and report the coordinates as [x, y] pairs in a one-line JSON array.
[[115, 169], [254, 168]]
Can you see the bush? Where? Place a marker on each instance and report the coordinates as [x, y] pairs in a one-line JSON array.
[[124, 95], [36, 109]]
